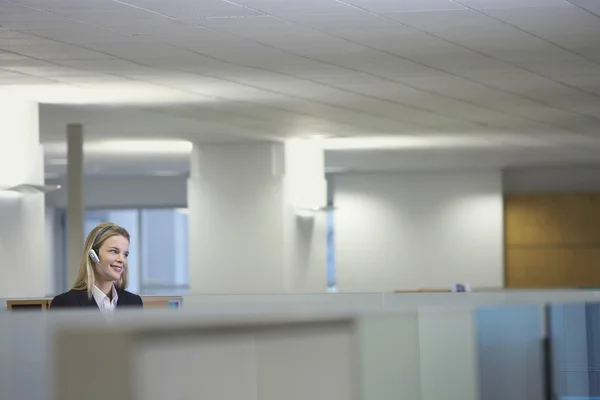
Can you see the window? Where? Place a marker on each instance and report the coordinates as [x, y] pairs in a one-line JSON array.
[[164, 250], [158, 260], [331, 277], [330, 226]]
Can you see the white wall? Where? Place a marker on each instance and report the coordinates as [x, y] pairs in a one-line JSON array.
[[22, 246], [418, 230]]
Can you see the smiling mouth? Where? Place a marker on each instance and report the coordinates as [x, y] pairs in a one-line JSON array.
[[119, 269]]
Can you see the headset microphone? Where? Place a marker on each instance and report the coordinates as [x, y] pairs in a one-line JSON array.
[[95, 259]]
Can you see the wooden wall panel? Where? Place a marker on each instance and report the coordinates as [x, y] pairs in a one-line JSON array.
[[552, 219], [553, 267], [552, 240]]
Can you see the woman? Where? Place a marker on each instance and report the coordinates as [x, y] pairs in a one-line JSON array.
[[103, 272]]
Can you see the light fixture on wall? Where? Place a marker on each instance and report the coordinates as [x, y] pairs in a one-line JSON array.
[[310, 212], [27, 188]]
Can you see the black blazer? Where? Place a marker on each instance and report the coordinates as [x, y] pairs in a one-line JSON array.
[[79, 298]]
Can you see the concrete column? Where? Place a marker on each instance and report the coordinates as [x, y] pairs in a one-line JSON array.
[[23, 265], [245, 234], [75, 203]]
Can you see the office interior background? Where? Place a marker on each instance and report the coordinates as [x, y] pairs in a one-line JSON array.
[[424, 116], [287, 147]]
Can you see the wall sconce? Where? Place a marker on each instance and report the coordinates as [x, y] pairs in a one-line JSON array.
[[310, 212], [27, 188]]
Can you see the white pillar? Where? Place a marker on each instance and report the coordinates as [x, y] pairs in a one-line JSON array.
[[23, 266], [245, 236], [75, 204]]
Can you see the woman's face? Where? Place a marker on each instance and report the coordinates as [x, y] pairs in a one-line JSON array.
[[113, 258]]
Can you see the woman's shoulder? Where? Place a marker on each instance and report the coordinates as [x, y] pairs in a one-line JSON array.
[[67, 299], [129, 298]]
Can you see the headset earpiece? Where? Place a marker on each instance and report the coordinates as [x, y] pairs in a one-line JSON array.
[[94, 256], [96, 260]]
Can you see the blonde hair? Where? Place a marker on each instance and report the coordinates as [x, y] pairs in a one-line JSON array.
[[86, 278]]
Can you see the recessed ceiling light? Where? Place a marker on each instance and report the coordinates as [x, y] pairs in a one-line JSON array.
[[104, 93], [365, 143], [335, 170], [166, 173], [58, 161], [110, 147], [140, 146], [406, 142]]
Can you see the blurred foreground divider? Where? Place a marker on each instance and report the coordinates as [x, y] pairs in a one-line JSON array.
[[273, 347]]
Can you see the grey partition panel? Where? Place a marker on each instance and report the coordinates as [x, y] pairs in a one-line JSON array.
[[448, 354], [511, 353], [243, 359], [592, 312], [293, 363], [388, 348], [292, 302], [574, 331], [23, 356]]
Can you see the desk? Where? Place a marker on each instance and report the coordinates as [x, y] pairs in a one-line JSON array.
[[43, 304], [438, 290], [162, 301], [28, 304]]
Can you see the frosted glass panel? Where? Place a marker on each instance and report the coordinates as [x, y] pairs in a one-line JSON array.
[[574, 330], [302, 366], [510, 353], [275, 363], [202, 368], [448, 354], [388, 348]]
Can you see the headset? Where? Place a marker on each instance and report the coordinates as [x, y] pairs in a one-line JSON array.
[[93, 255]]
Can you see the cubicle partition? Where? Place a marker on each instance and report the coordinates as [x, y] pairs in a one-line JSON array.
[[353, 302], [380, 301], [267, 358], [511, 356], [372, 346], [574, 333]]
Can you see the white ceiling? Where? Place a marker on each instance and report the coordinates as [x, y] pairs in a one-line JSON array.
[[484, 82]]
